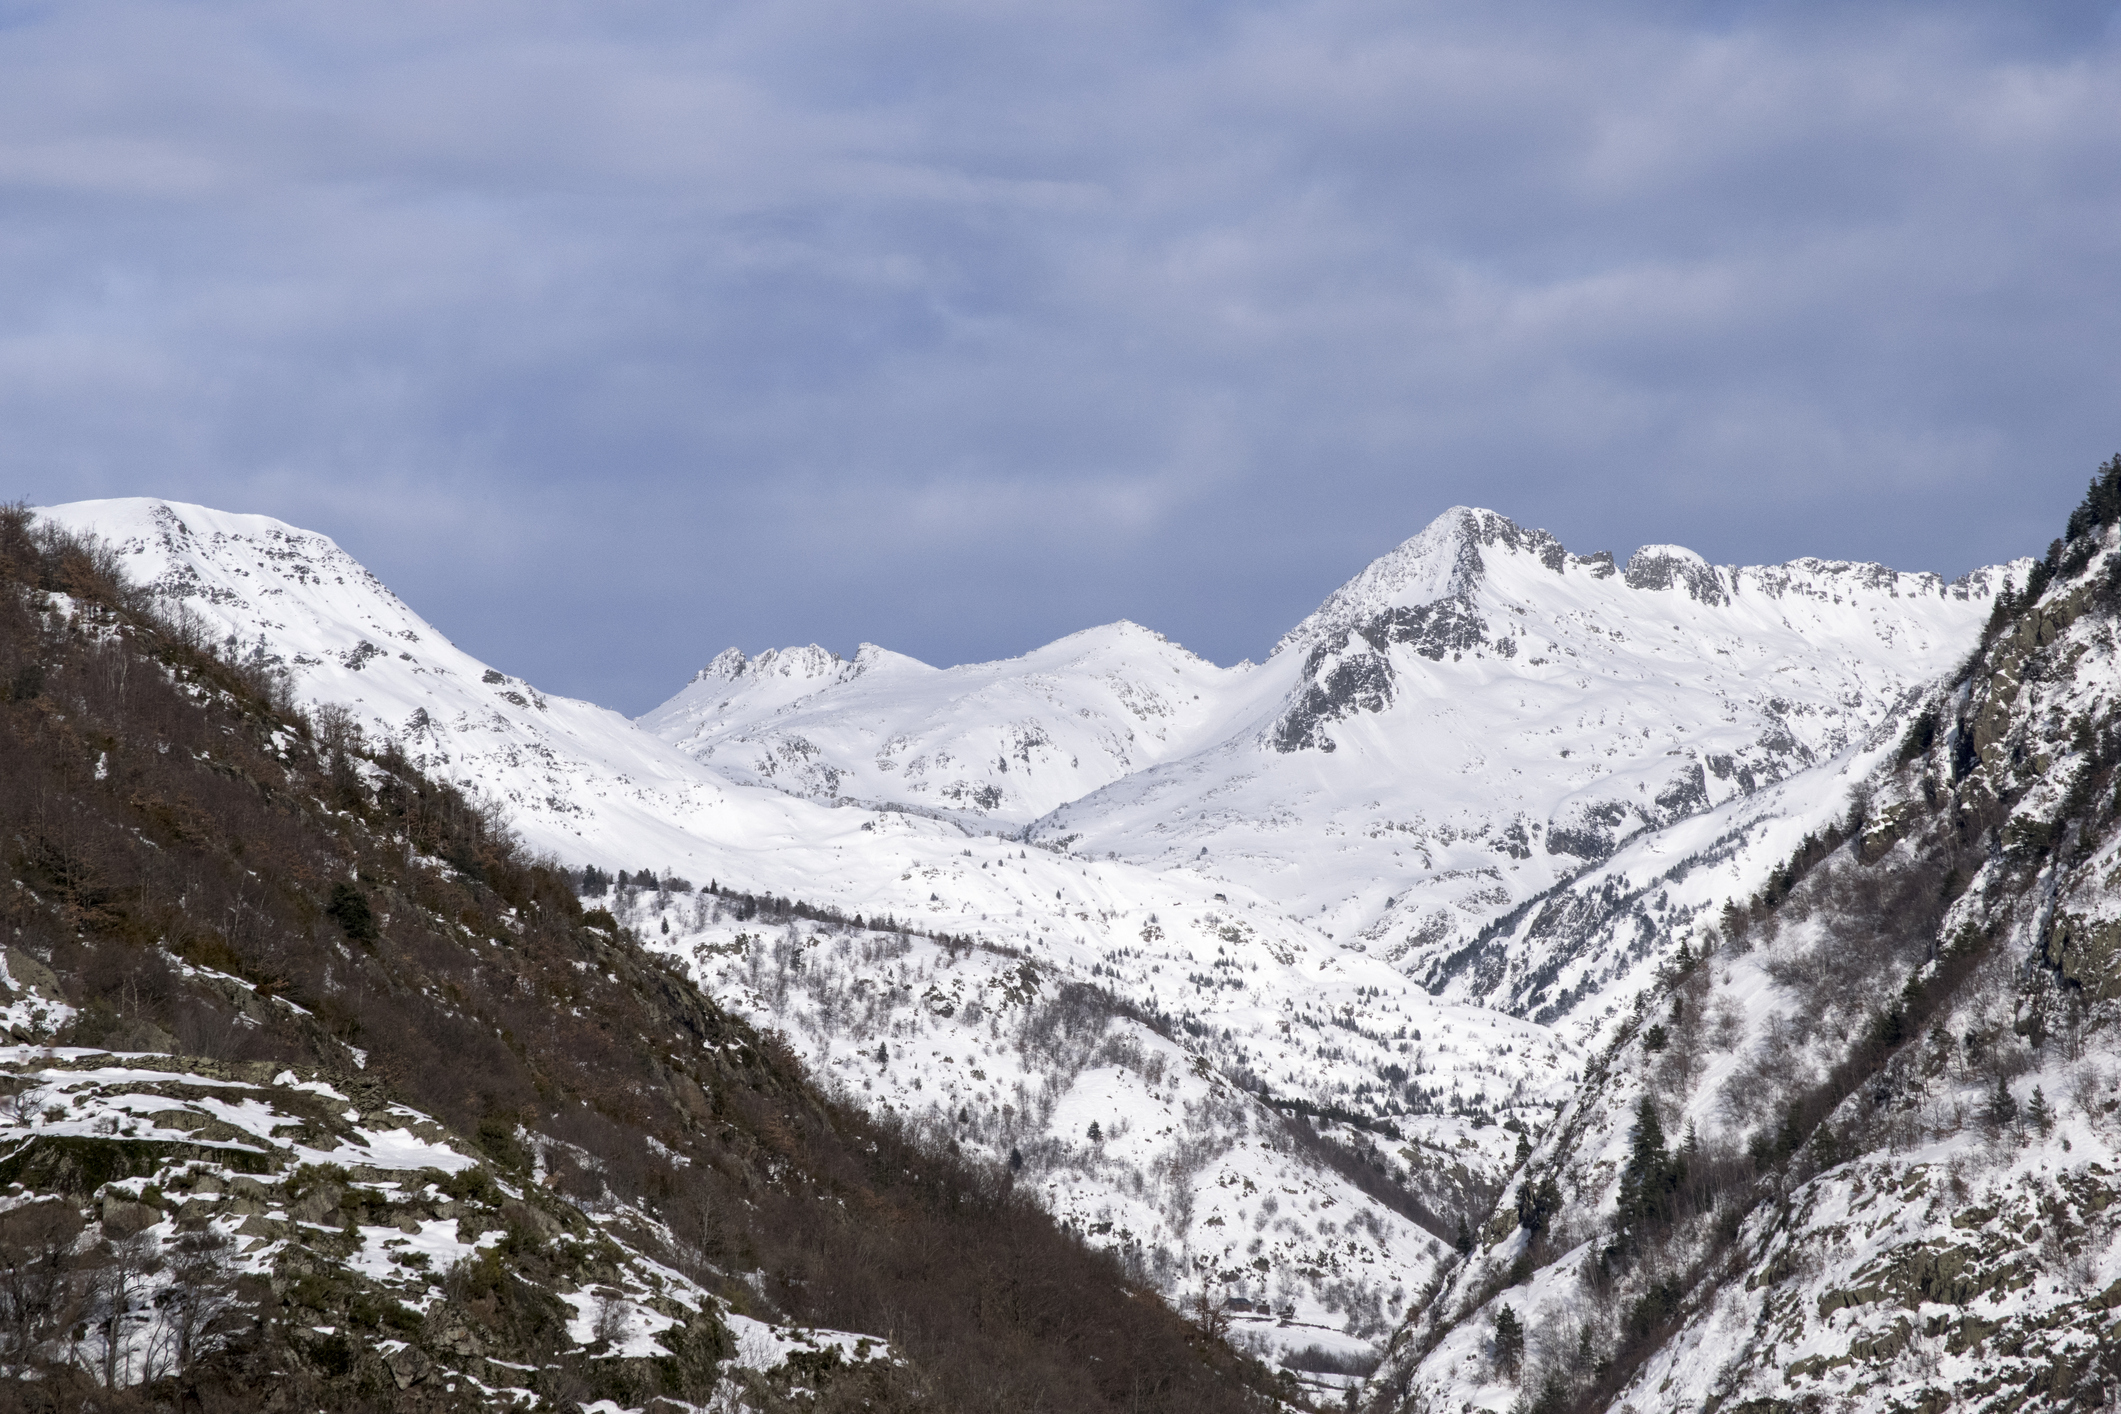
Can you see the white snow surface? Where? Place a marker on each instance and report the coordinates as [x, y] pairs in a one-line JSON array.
[[763, 1347], [1000, 743]]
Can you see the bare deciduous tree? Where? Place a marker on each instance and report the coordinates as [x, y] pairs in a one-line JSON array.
[[38, 1280], [197, 1310], [117, 1288]]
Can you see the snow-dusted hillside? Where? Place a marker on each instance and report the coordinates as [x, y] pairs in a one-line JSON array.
[[1578, 954], [1138, 1136], [226, 1176], [1856, 1146]]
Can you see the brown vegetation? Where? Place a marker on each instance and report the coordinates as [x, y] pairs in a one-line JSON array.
[[164, 809]]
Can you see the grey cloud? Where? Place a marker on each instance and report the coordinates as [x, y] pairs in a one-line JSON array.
[[610, 335]]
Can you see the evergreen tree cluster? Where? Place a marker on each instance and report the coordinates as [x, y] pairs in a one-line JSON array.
[[349, 909], [1649, 1186], [1509, 1341], [2101, 505], [2069, 556], [1538, 1204], [595, 883]]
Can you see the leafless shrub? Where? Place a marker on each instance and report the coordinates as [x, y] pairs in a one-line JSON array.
[[197, 1311], [21, 1104], [117, 1316], [612, 1321], [39, 1283]]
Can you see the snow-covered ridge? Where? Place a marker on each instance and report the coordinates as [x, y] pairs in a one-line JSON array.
[[579, 781], [1421, 768], [1480, 714], [1000, 742], [1454, 555], [1471, 719]]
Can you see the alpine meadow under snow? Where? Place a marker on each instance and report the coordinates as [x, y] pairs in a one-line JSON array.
[[1547, 981]]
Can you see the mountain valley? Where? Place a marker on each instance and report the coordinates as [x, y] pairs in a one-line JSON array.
[[1709, 967]]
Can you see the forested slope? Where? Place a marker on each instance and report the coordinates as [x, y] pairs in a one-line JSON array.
[[619, 1190]]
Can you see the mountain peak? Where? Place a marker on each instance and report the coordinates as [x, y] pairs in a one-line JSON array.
[[809, 661], [1442, 561], [151, 519], [1675, 566]]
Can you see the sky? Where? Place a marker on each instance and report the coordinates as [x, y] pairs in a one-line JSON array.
[[611, 335]]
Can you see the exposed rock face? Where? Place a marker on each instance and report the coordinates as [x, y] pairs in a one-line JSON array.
[[1352, 671], [1673, 566]]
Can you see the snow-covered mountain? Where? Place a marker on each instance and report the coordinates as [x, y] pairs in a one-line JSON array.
[[1476, 717], [1000, 743], [1401, 877], [1857, 1146], [578, 782]]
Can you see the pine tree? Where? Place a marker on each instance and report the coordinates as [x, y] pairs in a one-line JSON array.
[[349, 909], [1509, 1341], [1649, 1185], [1537, 1203], [2042, 1117], [1464, 1241], [2002, 1107]]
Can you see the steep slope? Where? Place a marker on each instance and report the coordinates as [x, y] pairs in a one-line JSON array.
[[1577, 955], [1859, 1147], [291, 1017], [207, 1194]]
